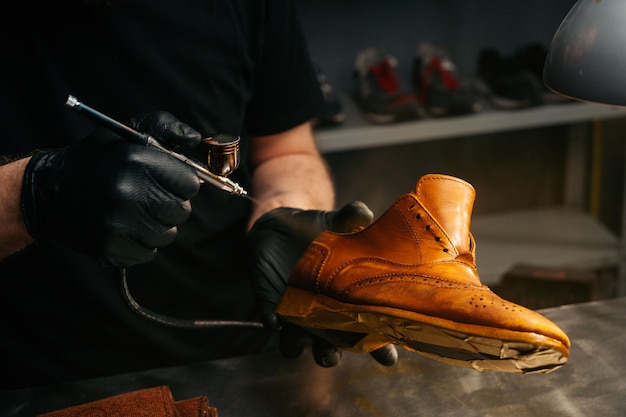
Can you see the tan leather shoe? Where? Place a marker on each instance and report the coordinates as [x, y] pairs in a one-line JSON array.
[[410, 279]]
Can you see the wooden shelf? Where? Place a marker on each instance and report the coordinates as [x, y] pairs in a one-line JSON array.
[[357, 133]]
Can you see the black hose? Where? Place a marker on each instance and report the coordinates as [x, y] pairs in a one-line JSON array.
[[173, 321]]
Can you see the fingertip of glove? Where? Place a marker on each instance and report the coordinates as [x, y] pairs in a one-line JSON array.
[[362, 210], [192, 135], [351, 218], [328, 359], [270, 322], [325, 354], [386, 355]]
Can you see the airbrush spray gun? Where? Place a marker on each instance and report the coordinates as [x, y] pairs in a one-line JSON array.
[[223, 159], [223, 156]]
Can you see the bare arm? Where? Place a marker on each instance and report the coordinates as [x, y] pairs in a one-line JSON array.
[[289, 172], [13, 233]]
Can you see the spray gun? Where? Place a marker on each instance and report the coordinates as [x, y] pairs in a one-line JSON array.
[[223, 155], [222, 158]]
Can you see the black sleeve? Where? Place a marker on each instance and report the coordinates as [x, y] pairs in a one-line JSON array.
[[286, 92]]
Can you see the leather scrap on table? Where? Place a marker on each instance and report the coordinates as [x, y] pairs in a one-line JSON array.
[[148, 402]]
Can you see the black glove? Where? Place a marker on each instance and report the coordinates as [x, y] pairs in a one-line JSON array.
[[278, 240], [109, 198]]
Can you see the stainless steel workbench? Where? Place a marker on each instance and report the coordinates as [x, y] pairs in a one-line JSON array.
[[592, 383]]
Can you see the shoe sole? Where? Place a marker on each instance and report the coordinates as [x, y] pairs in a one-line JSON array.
[[471, 346]]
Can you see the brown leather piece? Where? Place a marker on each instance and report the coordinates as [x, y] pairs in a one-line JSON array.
[[149, 402], [195, 407]]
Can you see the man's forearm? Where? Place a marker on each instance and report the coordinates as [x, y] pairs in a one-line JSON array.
[[288, 171], [13, 233], [298, 181]]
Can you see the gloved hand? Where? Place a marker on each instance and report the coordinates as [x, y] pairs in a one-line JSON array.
[[278, 240], [110, 198]]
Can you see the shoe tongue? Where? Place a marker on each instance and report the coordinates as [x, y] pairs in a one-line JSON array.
[[450, 201]]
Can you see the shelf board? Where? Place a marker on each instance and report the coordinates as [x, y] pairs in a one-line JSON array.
[[551, 236], [357, 133]]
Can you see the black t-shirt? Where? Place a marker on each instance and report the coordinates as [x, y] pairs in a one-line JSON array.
[[227, 66]]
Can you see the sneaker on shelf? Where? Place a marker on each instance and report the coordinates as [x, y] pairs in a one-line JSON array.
[[410, 279], [333, 113], [504, 84], [437, 85], [378, 91]]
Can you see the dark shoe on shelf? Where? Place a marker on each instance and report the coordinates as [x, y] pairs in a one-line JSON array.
[[437, 85], [410, 279], [379, 93], [531, 58], [506, 84]]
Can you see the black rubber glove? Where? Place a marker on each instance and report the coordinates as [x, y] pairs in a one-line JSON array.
[[278, 240], [110, 198]]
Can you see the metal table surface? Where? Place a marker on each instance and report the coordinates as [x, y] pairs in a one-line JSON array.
[[592, 383]]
